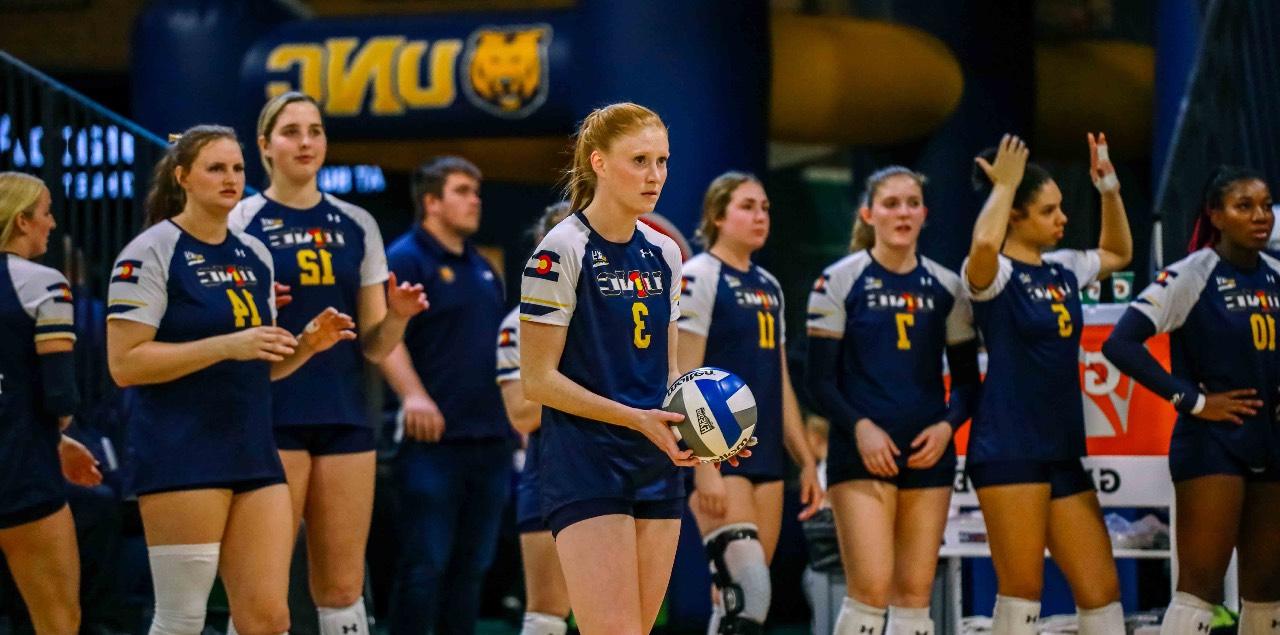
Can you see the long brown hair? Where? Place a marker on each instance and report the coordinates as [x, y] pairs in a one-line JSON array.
[[716, 201], [864, 235], [597, 132], [167, 198]]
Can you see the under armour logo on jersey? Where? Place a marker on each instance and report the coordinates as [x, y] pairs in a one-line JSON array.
[[1031, 618], [333, 217], [354, 628], [239, 253], [647, 253], [866, 629], [1203, 627]]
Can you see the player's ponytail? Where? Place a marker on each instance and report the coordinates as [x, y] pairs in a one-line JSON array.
[[716, 201], [19, 193], [864, 235], [166, 197], [1203, 233], [596, 133]]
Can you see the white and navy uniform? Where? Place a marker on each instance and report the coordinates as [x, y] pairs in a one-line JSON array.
[[326, 254], [35, 305], [617, 301], [1221, 321], [528, 493], [740, 313], [895, 329], [1029, 427], [211, 428]]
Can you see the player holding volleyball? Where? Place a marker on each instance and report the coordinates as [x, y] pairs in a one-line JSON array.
[[880, 320], [37, 396], [1219, 305], [1028, 434], [546, 598], [191, 325], [327, 253], [599, 300], [731, 317]]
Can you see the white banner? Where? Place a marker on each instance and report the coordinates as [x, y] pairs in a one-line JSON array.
[[1121, 481]]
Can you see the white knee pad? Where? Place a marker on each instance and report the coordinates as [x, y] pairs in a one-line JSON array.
[[1103, 620], [1259, 618], [740, 572], [182, 576], [857, 618], [1187, 615], [543, 624], [907, 621], [1015, 616], [347, 620]]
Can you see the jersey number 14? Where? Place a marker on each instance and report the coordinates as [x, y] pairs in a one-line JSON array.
[[244, 310]]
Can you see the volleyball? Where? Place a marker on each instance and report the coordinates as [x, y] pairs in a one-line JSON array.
[[719, 412]]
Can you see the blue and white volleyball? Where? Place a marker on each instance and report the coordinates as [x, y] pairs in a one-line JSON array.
[[719, 412]]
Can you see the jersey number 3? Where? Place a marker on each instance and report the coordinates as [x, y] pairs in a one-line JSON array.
[[245, 308], [638, 313], [1064, 319]]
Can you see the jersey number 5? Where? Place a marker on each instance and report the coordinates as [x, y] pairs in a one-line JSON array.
[[1064, 319], [316, 266], [638, 313], [244, 308]]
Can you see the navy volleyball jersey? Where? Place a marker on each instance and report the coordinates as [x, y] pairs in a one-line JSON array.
[[326, 254], [741, 315], [451, 343], [1222, 326], [894, 332], [1031, 408], [617, 301], [35, 305], [212, 426], [528, 505]]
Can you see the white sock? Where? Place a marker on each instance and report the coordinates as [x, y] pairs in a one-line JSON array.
[[543, 624], [1015, 616], [1103, 620], [908, 621], [347, 620], [182, 576], [1187, 615], [1259, 618], [717, 612], [231, 626], [857, 618]]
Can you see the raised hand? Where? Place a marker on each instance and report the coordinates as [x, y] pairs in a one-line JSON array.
[[266, 343], [1010, 162], [328, 328], [877, 449], [1101, 170], [403, 299]]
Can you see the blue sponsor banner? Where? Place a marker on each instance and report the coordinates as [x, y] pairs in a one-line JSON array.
[[461, 75]]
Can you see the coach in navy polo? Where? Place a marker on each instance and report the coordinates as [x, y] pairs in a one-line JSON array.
[[453, 467]]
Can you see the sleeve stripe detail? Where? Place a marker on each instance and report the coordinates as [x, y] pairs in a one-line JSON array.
[[116, 309], [55, 328], [61, 335], [534, 310], [508, 371], [48, 321], [524, 299]]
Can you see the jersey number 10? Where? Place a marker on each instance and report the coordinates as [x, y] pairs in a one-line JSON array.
[[1264, 331], [245, 308]]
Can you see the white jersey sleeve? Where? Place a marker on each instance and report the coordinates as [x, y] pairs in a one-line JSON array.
[[549, 286], [827, 299], [1168, 300], [46, 297], [140, 278], [675, 262], [1084, 264], [698, 293], [373, 268], [509, 347], [260, 250], [960, 319], [244, 212], [1004, 271]]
